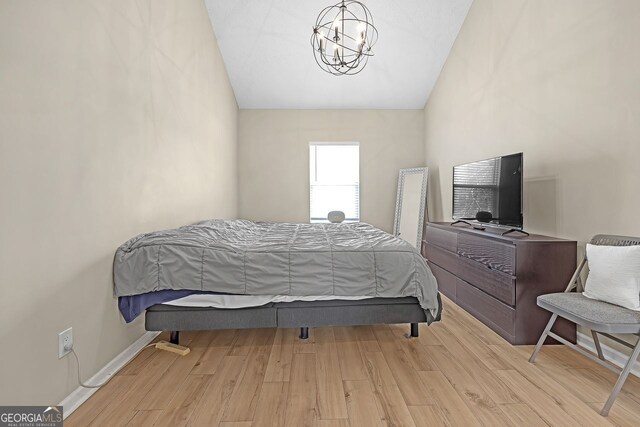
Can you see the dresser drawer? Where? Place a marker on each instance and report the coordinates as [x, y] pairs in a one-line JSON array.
[[443, 259], [496, 283], [447, 240], [487, 309], [446, 281], [497, 255]]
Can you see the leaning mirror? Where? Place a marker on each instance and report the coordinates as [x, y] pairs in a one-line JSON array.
[[411, 205]]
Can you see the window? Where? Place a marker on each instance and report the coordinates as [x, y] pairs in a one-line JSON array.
[[335, 180]]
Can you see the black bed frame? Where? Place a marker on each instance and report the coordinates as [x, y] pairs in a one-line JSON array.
[[298, 314]]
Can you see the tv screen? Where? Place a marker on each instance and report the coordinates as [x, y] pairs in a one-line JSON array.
[[492, 187]]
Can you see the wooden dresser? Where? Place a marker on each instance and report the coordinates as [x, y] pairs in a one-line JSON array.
[[498, 278]]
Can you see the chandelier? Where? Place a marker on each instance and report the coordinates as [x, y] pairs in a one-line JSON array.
[[343, 37]]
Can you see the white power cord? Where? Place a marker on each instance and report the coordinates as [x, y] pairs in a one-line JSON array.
[[110, 378]]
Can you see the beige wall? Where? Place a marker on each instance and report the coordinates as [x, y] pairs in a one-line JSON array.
[[274, 158], [560, 81], [116, 118]]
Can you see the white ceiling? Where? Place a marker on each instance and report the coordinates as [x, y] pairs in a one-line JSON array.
[[266, 49]]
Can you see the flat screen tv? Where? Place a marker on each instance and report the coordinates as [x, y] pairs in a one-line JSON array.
[[489, 191]]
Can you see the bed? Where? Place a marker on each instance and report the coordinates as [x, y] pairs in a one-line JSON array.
[[317, 275]]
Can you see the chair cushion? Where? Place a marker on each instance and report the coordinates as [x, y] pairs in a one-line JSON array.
[[614, 275], [593, 314]]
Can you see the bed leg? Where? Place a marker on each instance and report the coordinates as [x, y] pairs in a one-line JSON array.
[[414, 329], [304, 333], [174, 337]]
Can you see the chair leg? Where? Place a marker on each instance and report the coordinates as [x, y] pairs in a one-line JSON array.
[[596, 341], [621, 379], [542, 338]]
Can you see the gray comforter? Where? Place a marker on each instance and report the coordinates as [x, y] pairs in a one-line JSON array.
[[263, 258]]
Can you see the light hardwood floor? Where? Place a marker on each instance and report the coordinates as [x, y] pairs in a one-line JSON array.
[[457, 373]]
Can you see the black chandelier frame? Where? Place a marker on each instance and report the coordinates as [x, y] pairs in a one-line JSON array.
[[350, 55]]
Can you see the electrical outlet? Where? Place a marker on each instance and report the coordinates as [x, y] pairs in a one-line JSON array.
[[65, 342]]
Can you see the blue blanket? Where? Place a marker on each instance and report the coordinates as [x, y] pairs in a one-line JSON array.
[[133, 305]]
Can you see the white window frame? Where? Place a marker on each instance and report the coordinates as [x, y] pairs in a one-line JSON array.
[[334, 143]]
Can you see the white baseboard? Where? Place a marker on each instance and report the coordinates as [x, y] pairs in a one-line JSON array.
[[81, 394], [611, 354]]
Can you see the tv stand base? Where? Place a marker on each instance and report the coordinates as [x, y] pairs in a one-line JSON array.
[[515, 230]]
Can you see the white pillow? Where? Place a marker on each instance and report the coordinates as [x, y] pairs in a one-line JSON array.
[[614, 275]]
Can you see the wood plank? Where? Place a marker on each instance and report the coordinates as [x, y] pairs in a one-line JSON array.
[[466, 360], [391, 404], [419, 357], [210, 408], [364, 333], [590, 386], [569, 402], [242, 343], [330, 392], [244, 399], [167, 385], [366, 338], [103, 398], [307, 346], [426, 335], [209, 361], [346, 334], [474, 344], [144, 418], [619, 415], [184, 402], [429, 416], [351, 362], [272, 405], [543, 404], [279, 365], [459, 316], [122, 410], [225, 337], [522, 415], [453, 407], [470, 390], [360, 404], [138, 363], [236, 424], [378, 371], [301, 404], [631, 389], [332, 423], [412, 388]]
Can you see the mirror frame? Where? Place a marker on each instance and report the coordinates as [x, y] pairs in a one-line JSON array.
[[423, 202]]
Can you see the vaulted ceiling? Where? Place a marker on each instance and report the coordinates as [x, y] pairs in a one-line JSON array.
[[267, 52]]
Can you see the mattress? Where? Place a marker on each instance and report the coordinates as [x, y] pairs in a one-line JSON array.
[[243, 301], [263, 258]]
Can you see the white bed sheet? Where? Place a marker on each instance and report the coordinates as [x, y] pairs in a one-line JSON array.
[[242, 301]]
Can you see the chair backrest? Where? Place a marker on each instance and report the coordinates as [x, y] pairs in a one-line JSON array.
[[601, 240], [611, 240]]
